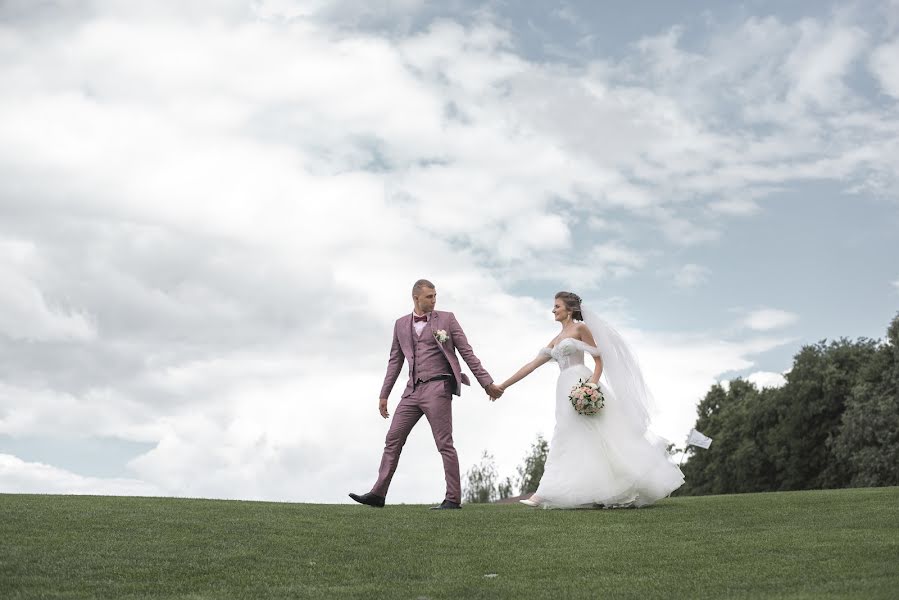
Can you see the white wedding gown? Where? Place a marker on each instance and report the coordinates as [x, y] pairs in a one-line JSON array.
[[607, 459]]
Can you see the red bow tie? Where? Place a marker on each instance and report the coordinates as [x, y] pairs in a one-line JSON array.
[[417, 319]]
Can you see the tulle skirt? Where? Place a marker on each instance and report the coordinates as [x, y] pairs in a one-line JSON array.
[[603, 459]]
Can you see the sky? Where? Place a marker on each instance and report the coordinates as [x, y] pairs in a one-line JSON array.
[[212, 212]]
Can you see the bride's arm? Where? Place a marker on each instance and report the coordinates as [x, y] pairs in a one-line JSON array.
[[524, 371], [587, 337]]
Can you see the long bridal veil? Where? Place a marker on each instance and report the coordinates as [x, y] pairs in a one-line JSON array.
[[622, 371]]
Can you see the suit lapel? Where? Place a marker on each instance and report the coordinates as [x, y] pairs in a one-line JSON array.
[[405, 335], [433, 325]]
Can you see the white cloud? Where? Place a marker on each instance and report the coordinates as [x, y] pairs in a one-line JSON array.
[[820, 61], [685, 232], [680, 369], [565, 12], [738, 207], [766, 379], [25, 313], [884, 64], [21, 477], [690, 276], [761, 99], [342, 11], [599, 224], [617, 258], [766, 319]]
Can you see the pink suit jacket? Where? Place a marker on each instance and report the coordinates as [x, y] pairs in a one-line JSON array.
[[403, 347]]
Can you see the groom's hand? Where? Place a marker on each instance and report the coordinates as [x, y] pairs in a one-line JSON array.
[[382, 406], [494, 391]]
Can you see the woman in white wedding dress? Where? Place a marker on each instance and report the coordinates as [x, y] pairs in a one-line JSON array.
[[609, 459]]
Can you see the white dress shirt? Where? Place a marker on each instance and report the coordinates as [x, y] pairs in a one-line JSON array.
[[419, 325]]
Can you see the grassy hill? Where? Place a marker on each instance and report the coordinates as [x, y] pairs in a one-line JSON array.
[[820, 544]]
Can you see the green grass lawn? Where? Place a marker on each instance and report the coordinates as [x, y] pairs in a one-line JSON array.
[[838, 543]]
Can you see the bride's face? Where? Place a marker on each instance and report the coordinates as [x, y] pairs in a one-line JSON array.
[[559, 311]]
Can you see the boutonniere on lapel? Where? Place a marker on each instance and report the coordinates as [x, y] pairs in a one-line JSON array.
[[440, 335]]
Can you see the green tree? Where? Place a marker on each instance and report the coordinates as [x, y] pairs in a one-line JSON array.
[[504, 489], [531, 472], [482, 483], [737, 460], [810, 414], [835, 423], [868, 442]]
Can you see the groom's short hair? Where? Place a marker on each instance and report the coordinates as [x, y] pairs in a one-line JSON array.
[[420, 285]]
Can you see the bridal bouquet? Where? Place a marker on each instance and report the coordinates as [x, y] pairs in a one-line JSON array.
[[586, 398]]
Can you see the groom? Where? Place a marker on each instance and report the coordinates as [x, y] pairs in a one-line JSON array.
[[428, 339]]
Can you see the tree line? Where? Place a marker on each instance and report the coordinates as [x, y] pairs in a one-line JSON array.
[[483, 484], [833, 424]]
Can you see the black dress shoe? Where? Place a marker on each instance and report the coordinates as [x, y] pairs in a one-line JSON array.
[[369, 499], [446, 504]]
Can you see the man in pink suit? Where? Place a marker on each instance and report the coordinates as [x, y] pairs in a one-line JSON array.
[[428, 340]]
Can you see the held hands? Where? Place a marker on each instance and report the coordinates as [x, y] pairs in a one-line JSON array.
[[494, 391]]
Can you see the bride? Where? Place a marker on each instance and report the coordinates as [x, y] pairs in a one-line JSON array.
[[609, 459]]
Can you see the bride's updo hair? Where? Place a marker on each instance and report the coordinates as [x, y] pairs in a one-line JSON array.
[[573, 303]]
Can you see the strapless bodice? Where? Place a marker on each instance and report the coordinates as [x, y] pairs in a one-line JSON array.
[[569, 352]]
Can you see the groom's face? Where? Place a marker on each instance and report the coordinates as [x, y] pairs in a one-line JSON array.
[[425, 300]]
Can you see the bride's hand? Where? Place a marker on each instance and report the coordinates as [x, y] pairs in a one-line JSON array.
[[501, 389]]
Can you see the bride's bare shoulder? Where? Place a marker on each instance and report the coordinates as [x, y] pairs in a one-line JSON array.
[[584, 334]]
